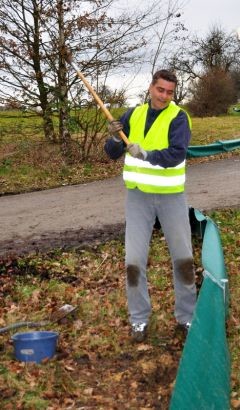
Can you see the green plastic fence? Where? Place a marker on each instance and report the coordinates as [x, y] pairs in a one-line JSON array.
[[203, 378], [216, 148]]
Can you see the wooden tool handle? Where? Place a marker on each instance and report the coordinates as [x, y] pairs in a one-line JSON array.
[[98, 101]]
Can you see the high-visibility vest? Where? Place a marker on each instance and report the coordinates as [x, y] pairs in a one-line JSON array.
[[143, 175]]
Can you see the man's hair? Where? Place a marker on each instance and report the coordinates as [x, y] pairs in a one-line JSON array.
[[165, 75]]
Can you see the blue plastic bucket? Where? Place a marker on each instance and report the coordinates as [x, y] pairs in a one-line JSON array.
[[34, 346]]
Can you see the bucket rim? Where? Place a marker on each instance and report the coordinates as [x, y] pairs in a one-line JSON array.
[[25, 336]]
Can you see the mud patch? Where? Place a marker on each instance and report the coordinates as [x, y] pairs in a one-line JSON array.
[[185, 270], [78, 239], [133, 275]]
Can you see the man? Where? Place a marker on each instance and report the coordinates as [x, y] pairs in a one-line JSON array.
[[154, 175]]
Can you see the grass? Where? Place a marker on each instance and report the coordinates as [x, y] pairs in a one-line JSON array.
[[96, 365], [209, 130], [28, 162]]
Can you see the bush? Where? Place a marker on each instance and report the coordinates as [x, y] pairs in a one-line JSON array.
[[212, 94]]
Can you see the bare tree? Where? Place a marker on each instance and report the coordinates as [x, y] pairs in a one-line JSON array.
[[235, 75], [161, 40], [216, 55], [22, 75], [212, 94], [218, 50], [34, 33]]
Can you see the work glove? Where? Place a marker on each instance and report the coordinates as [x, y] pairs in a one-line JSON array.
[[113, 128], [136, 151]]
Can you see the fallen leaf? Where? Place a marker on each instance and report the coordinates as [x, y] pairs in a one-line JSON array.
[[235, 403], [69, 368], [166, 359], [134, 385], [88, 391], [117, 377], [77, 324], [13, 308], [49, 394], [144, 348], [148, 366], [35, 296]]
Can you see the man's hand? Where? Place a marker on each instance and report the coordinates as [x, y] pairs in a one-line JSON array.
[[114, 126], [136, 151]]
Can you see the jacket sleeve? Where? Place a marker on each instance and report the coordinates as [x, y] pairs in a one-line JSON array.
[[115, 149], [179, 137]]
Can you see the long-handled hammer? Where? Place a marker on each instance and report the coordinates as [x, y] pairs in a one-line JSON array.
[[69, 59]]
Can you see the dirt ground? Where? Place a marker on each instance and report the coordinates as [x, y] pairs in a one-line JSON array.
[[92, 213]]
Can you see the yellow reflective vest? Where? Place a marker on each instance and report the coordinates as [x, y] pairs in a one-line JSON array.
[[143, 175]]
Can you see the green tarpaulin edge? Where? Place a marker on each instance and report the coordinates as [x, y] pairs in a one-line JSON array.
[[203, 377], [218, 147]]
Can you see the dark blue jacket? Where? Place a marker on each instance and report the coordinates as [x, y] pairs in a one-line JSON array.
[[179, 137]]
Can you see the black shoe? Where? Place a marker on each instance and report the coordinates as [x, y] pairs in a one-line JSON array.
[[184, 327], [139, 332]]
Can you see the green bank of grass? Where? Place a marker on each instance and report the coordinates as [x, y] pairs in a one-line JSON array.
[[209, 130], [96, 365], [28, 162]]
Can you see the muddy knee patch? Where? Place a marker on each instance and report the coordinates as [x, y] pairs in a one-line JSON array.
[[185, 270], [133, 273]]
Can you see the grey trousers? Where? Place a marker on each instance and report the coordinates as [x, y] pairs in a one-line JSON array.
[[172, 212]]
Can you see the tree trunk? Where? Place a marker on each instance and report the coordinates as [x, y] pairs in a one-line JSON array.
[[48, 127], [64, 134]]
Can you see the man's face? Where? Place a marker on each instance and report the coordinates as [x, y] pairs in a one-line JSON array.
[[161, 93]]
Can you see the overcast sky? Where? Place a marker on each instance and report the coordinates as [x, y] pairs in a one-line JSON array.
[[198, 16], [201, 15]]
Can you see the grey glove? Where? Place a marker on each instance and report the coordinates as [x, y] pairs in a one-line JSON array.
[[114, 126], [136, 151]]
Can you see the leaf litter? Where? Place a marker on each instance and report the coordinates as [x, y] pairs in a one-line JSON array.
[[96, 364]]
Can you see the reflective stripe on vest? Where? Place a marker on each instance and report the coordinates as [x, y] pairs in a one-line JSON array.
[[143, 175]]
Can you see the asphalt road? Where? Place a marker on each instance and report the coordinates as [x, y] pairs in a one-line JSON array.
[[82, 214]]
